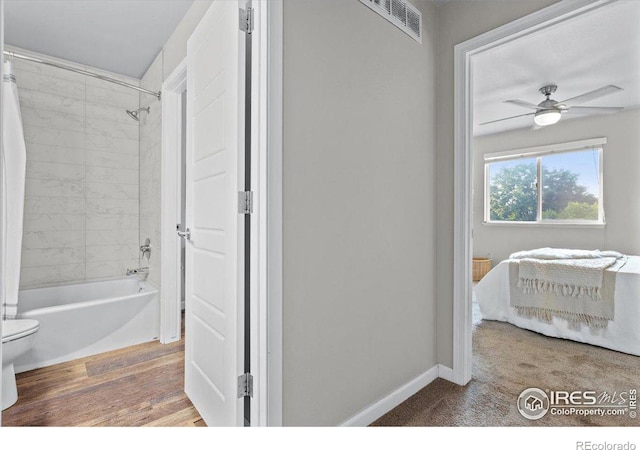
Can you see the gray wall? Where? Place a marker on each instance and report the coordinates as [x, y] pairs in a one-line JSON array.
[[458, 21], [621, 171], [359, 207], [175, 49]]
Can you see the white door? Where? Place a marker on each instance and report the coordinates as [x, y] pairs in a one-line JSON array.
[[214, 252]]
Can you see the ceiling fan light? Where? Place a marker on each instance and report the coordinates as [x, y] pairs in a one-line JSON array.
[[547, 117]]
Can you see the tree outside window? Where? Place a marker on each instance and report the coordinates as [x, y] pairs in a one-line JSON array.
[[569, 188]]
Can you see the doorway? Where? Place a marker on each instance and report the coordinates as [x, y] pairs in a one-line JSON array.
[[263, 337], [183, 195], [173, 194], [265, 266], [463, 158]]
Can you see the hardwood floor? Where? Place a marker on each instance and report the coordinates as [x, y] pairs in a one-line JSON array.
[[135, 386]]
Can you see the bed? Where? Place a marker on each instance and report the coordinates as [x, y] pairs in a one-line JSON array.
[[622, 332]]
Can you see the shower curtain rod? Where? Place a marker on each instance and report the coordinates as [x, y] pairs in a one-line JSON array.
[[83, 72]]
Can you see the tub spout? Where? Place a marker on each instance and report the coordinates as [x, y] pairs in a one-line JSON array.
[[139, 271]]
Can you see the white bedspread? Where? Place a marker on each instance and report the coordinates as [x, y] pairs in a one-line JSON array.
[[621, 334]]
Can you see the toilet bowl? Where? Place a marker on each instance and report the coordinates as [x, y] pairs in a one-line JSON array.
[[18, 337]]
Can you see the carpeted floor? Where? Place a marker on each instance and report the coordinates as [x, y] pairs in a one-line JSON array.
[[507, 360]]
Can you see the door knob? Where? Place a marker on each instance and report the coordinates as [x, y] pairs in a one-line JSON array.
[[186, 234]]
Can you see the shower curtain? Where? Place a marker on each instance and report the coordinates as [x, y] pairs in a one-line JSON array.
[[14, 161]]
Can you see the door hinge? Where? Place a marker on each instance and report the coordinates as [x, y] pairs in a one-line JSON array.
[[246, 20], [245, 385], [245, 202]]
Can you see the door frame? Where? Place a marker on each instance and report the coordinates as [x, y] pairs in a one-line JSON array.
[[172, 133], [266, 233], [463, 161], [2, 197]]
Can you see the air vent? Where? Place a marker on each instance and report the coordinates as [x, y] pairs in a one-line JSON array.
[[384, 4], [401, 13]]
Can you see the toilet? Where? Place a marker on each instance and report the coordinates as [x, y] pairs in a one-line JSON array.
[[18, 336]]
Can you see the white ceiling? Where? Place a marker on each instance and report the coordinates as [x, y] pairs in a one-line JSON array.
[[591, 51], [121, 36]]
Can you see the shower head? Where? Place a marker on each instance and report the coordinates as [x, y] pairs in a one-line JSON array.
[[135, 114]]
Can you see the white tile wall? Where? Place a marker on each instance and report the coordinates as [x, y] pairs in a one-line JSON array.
[[53, 222], [82, 190], [52, 275], [150, 165], [112, 144], [112, 222], [53, 205]]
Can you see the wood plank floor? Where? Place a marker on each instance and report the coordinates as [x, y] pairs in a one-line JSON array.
[[140, 385]]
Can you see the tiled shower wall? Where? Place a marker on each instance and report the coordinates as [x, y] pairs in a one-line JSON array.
[[81, 208], [150, 167]]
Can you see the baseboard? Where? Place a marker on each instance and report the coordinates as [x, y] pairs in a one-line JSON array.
[[446, 373], [386, 404]]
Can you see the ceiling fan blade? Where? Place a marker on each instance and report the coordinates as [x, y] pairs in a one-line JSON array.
[[593, 109], [523, 103], [583, 98], [507, 118]]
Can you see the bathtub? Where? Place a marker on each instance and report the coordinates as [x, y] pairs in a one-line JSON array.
[[86, 319]]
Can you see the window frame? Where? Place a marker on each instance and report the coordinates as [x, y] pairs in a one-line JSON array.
[[538, 153]]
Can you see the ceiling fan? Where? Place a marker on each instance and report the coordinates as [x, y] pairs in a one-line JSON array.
[[549, 111]]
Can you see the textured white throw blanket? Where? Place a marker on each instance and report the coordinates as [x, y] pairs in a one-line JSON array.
[[565, 283], [564, 253], [566, 272]]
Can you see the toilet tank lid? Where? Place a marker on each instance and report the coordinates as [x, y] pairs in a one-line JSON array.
[[14, 329]]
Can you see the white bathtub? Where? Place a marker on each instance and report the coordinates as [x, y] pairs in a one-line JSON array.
[[86, 319]]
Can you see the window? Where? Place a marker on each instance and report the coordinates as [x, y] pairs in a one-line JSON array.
[[559, 184]]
